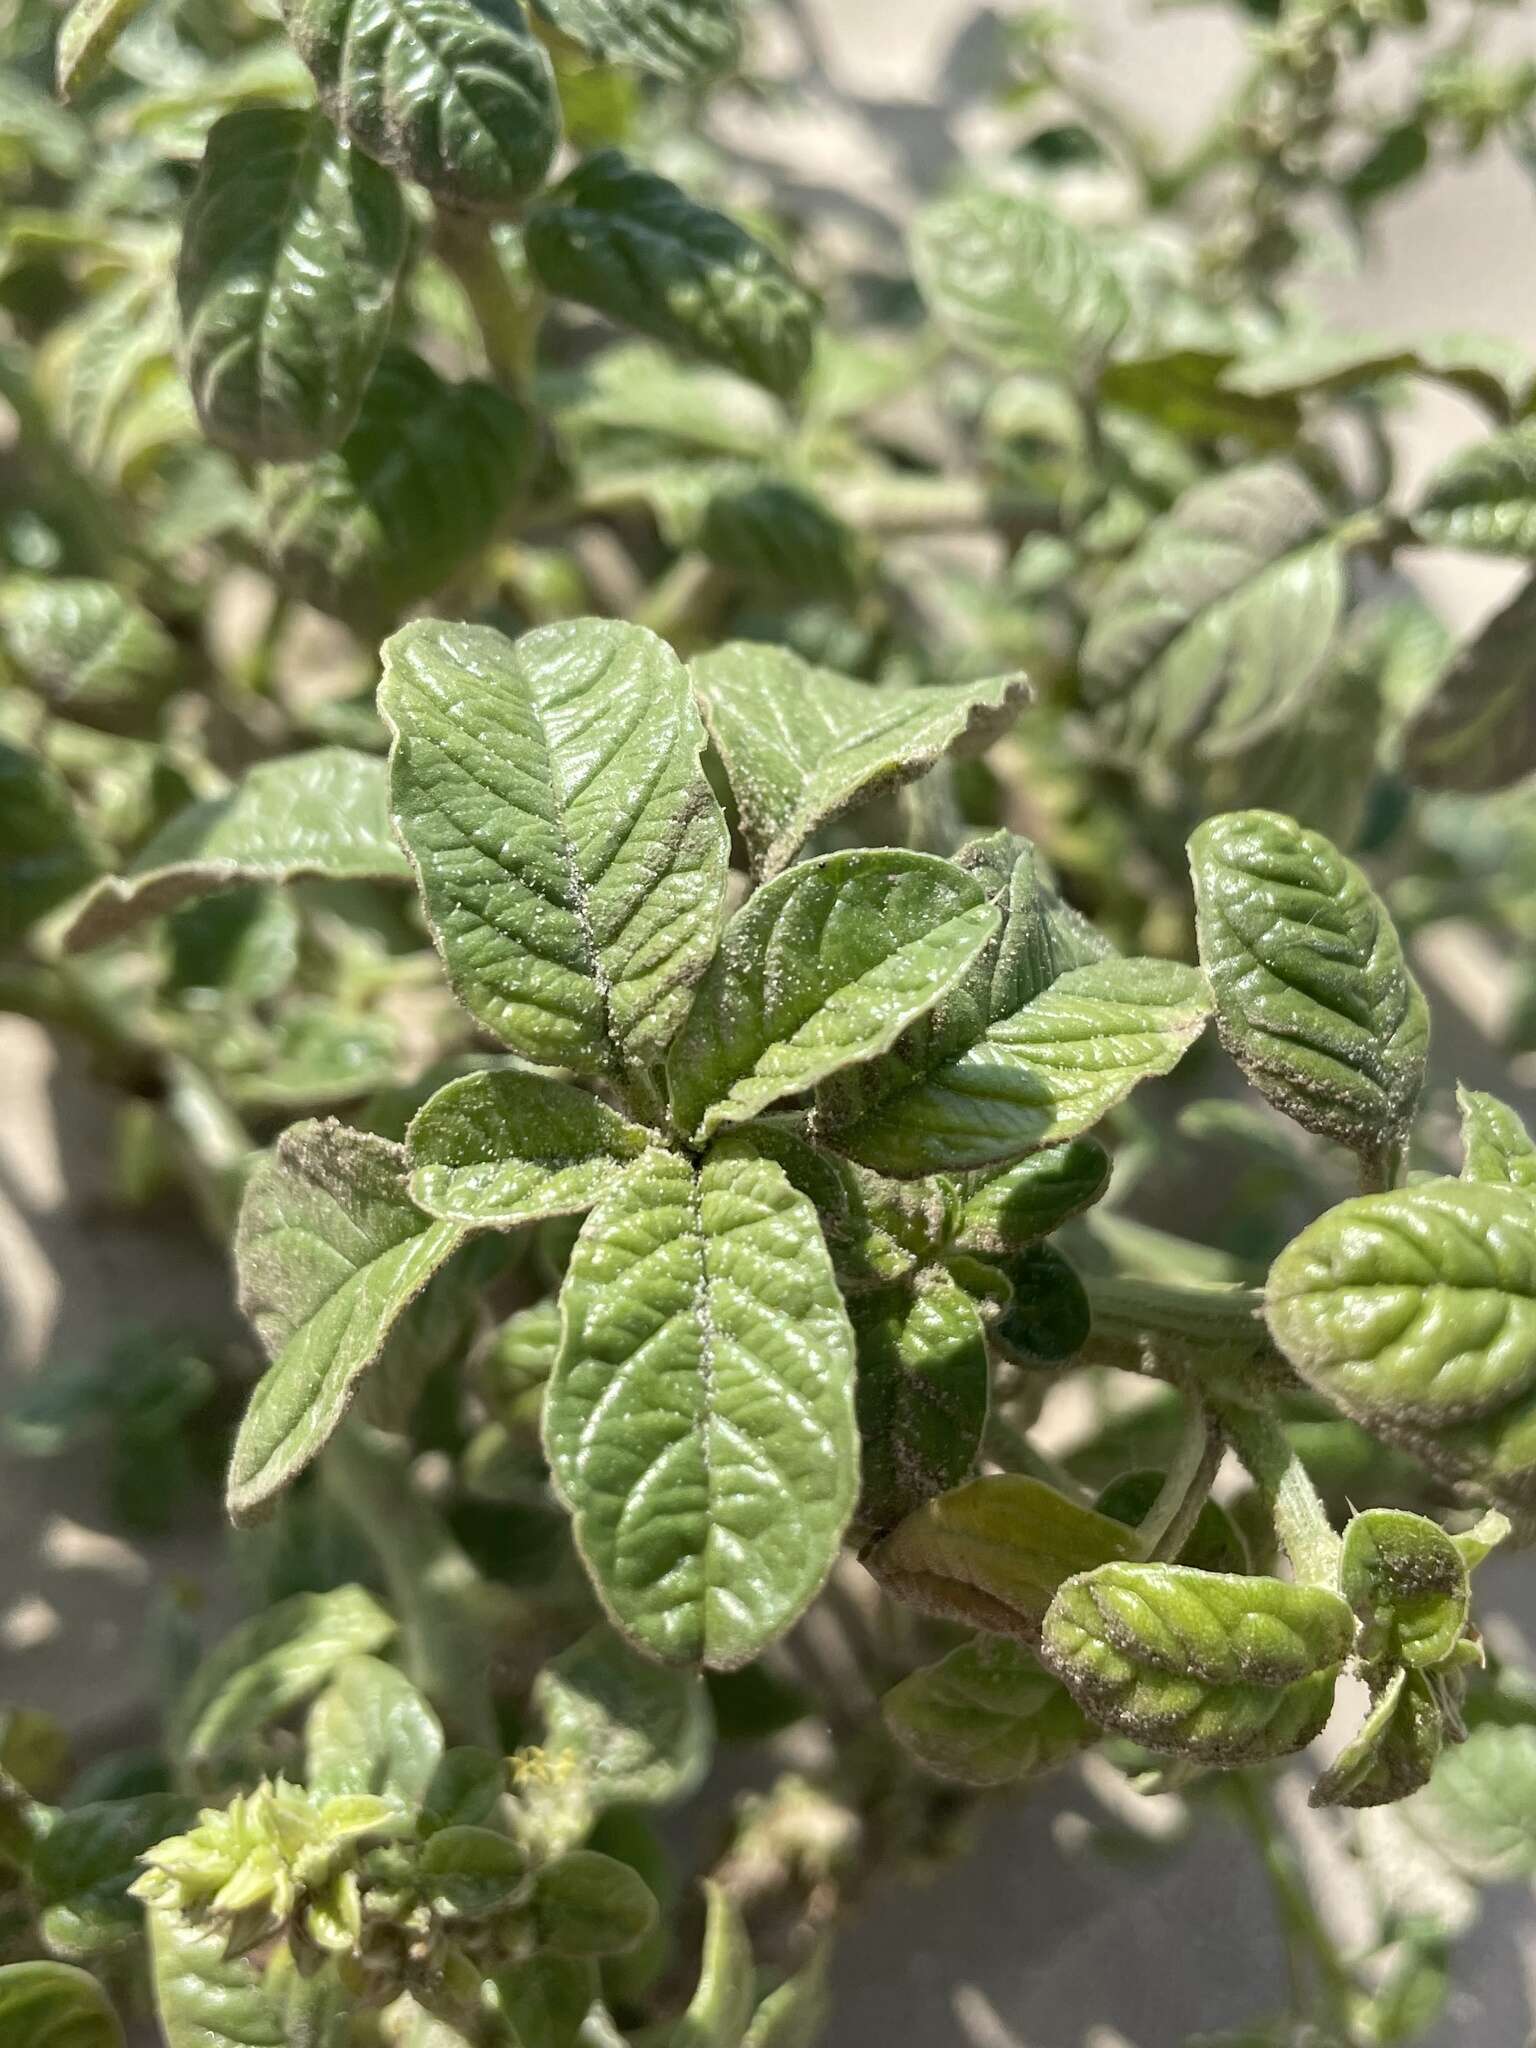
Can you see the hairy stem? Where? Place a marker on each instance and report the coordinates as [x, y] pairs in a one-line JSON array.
[[1301, 1521], [1166, 1526], [1213, 1336], [508, 319]]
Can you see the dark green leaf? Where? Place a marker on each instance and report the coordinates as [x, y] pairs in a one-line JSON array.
[[1047, 1318], [470, 1871], [922, 1394], [44, 854], [1478, 730], [587, 1904], [1009, 1211], [85, 1863], [683, 41]]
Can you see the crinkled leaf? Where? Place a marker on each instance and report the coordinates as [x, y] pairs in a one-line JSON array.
[[1497, 1147], [53, 2005], [1484, 496], [1416, 1306], [1223, 1669], [427, 475], [323, 814], [1314, 999], [1393, 1753], [1213, 633], [639, 1733], [588, 1904], [986, 1715], [1011, 279], [1478, 730], [86, 38], [1007, 1211], [293, 244], [922, 1394], [569, 850], [1047, 1318], [93, 651], [267, 1665], [682, 41], [44, 853], [700, 1419], [205, 1999], [1407, 1582], [371, 1731], [720, 2010], [802, 745], [84, 1864], [502, 1149], [330, 1252], [457, 94], [823, 968], [993, 1552], [634, 246]]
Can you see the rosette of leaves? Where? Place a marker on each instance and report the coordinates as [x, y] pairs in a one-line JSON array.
[[700, 1418]]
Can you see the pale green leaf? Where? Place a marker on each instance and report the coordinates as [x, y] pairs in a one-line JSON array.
[[85, 42], [1408, 1584], [330, 1252], [1478, 730], [371, 1731], [682, 41], [1314, 999], [823, 968], [1497, 1146], [267, 1665], [802, 745], [205, 1999], [1417, 1306], [720, 2010], [1484, 496], [1007, 1211], [986, 1715], [1011, 279], [1479, 1812], [1220, 1668], [457, 94], [94, 652], [638, 1733], [700, 1419], [293, 244], [570, 852], [922, 1394], [634, 246], [53, 2005], [993, 1552], [324, 814], [44, 853], [1212, 635], [503, 1149]]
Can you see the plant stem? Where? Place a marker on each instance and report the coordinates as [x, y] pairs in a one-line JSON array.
[[1301, 1521], [1166, 1526], [1214, 1336], [1011, 1451], [508, 319], [1307, 1939], [681, 605]]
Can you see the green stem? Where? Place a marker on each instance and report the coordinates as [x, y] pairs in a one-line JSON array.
[[508, 319], [1307, 1939], [682, 605], [1215, 1336], [1295, 1506], [1166, 1526]]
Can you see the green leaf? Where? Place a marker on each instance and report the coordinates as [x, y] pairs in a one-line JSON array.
[[1222, 1669], [264, 1667], [780, 537], [1407, 1582], [986, 1715], [85, 1863], [87, 36], [992, 1553], [503, 1149], [641, 1735], [1212, 635], [51, 2005], [635, 247], [1478, 730], [323, 814], [1498, 1148], [371, 1731], [44, 853], [1314, 999], [922, 1394], [205, 1999], [823, 968], [1394, 1751], [547, 1998], [795, 2014], [426, 477], [1484, 497], [700, 1419], [457, 94], [330, 1252], [570, 853], [1047, 1319], [1013, 1209], [802, 745], [463, 1791], [1416, 1306], [588, 1904], [94, 652], [1304, 365], [1479, 1812], [685, 42], [470, 1872], [1011, 279], [720, 2010], [293, 245]]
